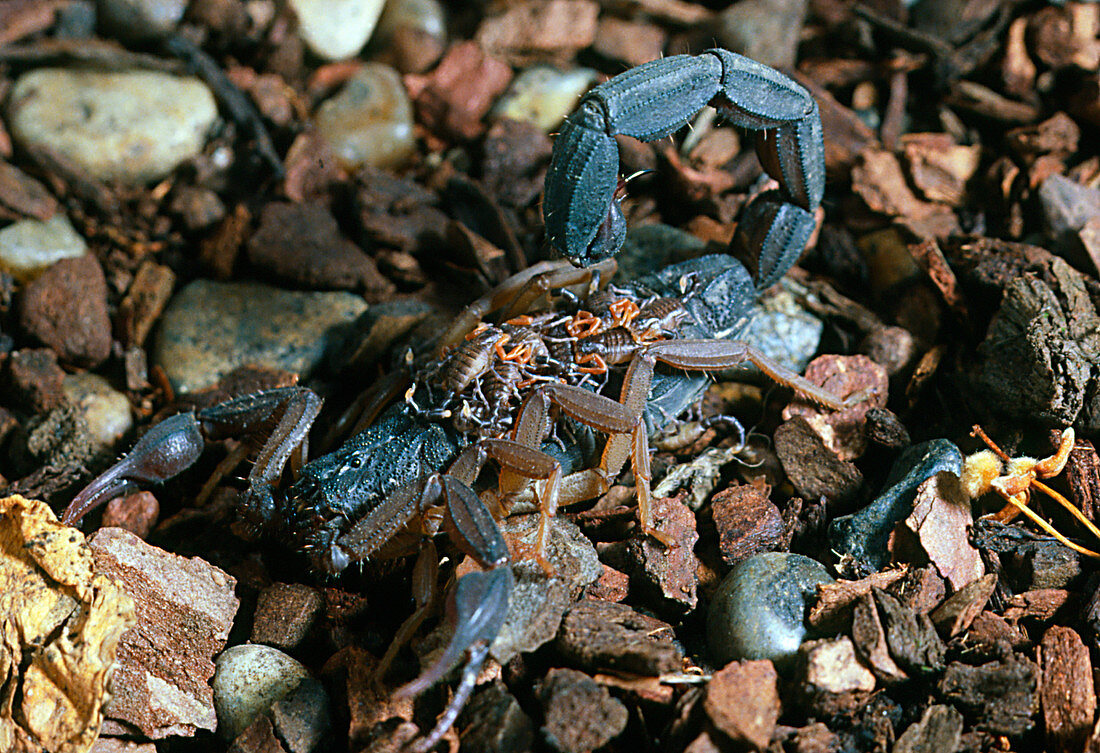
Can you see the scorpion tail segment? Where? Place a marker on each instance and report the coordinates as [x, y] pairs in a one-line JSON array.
[[458, 700], [755, 96], [771, 236], [167, 449], [474, 530], [478, 606], [580, 189]]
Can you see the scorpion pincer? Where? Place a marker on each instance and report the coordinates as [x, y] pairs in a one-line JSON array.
[[503, 391]]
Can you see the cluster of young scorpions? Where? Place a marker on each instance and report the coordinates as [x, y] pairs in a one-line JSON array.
[[509, 392]]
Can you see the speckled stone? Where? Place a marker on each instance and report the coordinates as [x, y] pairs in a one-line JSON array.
[[29, 247], [211, 328], [130, 126], [248, 680], [370, 120], [758, 610], [544, 95], [106, 410], [141, 19], [336, 29]]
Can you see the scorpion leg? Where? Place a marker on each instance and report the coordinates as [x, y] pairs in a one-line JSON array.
[[478, 604], [517, 293]]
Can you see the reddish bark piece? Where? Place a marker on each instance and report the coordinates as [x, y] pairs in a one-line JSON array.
[[870, 640], [743, 702], [941, 519], [835, 601], [1067, 690], [144, 302], [931, 259], [630, 42], [612, 585], [24, 196], [940, 167], [1082, 472], [747, 522], [955, 615], [302, 243], [34, 380], [531, 30], [65, 308], [185, 609], [988, 630], [136, 513], [604, 636], [1041, 604], [813, 468], [939, 729], [284, 614], [671, 570], [843, 430], [579, 715], [452, 99], [879, 181], [846, 136], [831, 680], [922, 589], [1058, 136]]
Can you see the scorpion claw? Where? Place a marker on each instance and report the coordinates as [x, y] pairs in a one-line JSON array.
[[168, 448], [478, 606]]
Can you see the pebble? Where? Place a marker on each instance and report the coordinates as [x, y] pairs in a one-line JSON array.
[[538, 603], [106, 410], [185, 608], [765, 30], [135, 20], [669, 573], [65, 308], [302, 718], [249, 679], [336, 29], [494, 722], [211, 328], [34, 381], [1067, 205], [411, 35], [758, 610], [864, 535], [370, 120], [284, 614], [29, 247], [129, 126], [579, 715], [544, 95], [424, 15], [136, 513], [784, 331]]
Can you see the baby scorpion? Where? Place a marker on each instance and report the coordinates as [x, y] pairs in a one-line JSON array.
[[415, 470]]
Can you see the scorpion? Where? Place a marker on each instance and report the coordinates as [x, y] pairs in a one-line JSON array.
[[501, 392]]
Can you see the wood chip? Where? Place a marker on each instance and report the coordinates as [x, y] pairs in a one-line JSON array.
[[1066, 689]]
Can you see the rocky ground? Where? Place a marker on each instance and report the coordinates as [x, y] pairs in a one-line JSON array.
[[204, 199]]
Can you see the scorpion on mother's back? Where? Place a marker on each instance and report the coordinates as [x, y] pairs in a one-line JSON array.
[[567, 355]]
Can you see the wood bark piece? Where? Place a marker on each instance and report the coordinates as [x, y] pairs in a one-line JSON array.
[[1067, 690]]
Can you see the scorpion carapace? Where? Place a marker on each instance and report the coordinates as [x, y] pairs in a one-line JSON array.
[[530, 374]]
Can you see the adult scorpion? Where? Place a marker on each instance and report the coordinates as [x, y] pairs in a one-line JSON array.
[[501, 391]]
